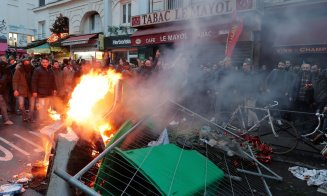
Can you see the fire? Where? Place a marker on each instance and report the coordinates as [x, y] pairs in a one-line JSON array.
[[91, 99], [47, 151], [53, 114], [106, 132]]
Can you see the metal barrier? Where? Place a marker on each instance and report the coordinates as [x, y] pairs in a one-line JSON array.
[[243, 174]]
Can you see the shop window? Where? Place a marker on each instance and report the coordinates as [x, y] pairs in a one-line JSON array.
[[30, 39], [12, 41], [127, 13]]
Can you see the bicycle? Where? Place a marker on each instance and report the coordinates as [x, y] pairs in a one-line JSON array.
[[318, 130], [278, 133]]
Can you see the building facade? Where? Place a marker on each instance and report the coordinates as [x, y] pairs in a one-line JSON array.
[[200, 26], [295, 30], [86, 21], [16, 31], [273, 29]]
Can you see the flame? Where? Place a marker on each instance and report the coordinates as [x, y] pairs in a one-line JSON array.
[[53, 114], [47, 151], [106, 132], [89, 101]]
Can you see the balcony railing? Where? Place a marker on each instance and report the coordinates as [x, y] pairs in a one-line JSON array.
[[159, 5], [41, 36]]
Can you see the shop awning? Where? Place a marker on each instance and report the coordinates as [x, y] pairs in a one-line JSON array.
[[41, 49], [82, 39], [171, 34], [3, 48]]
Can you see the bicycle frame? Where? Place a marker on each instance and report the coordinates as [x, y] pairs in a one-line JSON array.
[[317, 129], [267, 116], [318, 126], [270, 118]]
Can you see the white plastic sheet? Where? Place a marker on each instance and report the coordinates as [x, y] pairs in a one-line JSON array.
[[312, 176]]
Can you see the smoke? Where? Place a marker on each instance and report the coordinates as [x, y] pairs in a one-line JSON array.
[[292, 25], [192, 73]]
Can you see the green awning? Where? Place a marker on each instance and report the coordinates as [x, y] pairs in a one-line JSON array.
[[41, 49], [172, 170]]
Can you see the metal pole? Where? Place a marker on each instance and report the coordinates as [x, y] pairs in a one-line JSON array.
[[203, 118], [257, 174], [262, 165], [73, 181], [259, 170], [100, 156], [236, 178]]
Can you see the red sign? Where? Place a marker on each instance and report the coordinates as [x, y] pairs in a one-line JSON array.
[[244, 4], [136, 20], [176, 36]]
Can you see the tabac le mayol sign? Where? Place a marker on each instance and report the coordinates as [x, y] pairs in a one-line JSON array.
[[211, 8]]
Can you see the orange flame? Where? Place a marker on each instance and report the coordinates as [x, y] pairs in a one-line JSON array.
[[53, 114], [47, 151], [106, 132], [89, 100]]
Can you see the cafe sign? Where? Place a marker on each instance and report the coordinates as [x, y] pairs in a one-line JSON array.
[[209, 33], [301, 49], [211, 8]]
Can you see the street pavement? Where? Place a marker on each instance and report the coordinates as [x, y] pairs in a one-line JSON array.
[[20, 146]]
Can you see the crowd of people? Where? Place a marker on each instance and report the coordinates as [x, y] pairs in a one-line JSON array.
[[299, 89], [30, 85]]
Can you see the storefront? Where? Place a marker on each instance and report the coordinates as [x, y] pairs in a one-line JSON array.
[[295, 33], [120, 47], [201, 28], [85, 47], [52, 50], [3, 47]]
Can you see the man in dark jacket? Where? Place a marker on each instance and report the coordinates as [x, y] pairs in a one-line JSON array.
[[43, 87], [319, 83], [22, 88], [278, 86], [4, 79]]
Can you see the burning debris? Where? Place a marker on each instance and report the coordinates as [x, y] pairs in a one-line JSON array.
[[39, 170], [84, 124]]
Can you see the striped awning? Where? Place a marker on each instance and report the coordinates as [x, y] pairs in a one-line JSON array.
[[41, 49]]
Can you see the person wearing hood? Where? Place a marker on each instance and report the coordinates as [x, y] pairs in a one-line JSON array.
[[22, 88]]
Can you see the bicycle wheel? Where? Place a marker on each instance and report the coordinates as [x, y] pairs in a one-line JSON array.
[[287, 136]]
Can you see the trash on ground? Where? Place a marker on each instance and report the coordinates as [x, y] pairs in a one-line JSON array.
[[10, 189], [313, 177]]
